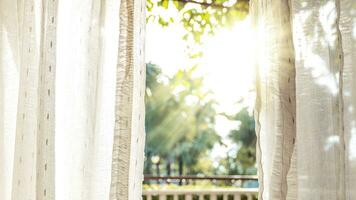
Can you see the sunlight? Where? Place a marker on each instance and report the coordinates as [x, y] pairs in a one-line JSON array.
[[200, 71], [226, 66], [352, 143]]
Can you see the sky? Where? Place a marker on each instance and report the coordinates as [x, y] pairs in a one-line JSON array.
[[225, 65]]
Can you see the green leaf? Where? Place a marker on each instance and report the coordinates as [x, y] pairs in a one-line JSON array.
[[165, 4], [176, 4], [162, 22], [200, 20]]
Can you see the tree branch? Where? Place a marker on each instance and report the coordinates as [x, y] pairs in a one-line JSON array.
[[205, 4]]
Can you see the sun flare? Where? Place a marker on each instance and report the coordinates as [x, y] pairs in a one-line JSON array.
[[226, 66]]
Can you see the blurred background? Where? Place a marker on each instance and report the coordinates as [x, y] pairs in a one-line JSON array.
[[199, 96]]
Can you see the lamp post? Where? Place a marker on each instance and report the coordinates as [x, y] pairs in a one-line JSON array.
[[156, 161]]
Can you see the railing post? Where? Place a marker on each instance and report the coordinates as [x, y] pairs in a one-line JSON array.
[[199, 194], [225, 196], [188, 197], [213, 197], [237, 197]]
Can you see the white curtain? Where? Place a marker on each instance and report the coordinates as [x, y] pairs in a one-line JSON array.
[[306, 98], [71, 99]]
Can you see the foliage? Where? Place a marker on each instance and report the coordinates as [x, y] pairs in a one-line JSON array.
[[199, 17], [245, 137], [180, 120], [180, 117]]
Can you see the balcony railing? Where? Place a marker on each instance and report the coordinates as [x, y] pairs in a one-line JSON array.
[[190, 178], [237, 193], [201, 194]]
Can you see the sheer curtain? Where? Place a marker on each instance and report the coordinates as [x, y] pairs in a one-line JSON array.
[[306, 98], [71, 99]]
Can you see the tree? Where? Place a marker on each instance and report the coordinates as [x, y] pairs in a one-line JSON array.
[[180, 118], [245, 138], [199, 17]]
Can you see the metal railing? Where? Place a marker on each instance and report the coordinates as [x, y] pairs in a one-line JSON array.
[[191, 177], [187, 179], [201, 194], [237, 193]]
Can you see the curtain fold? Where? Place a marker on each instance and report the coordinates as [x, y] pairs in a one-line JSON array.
[[322, 163], [129, 126], [275, 99], [67, 128]]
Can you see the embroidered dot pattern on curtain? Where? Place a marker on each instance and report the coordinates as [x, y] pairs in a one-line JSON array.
[[72, 81], [306, 98]]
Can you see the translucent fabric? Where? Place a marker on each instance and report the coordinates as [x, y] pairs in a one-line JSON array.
[[71, 99], [306, 125]]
